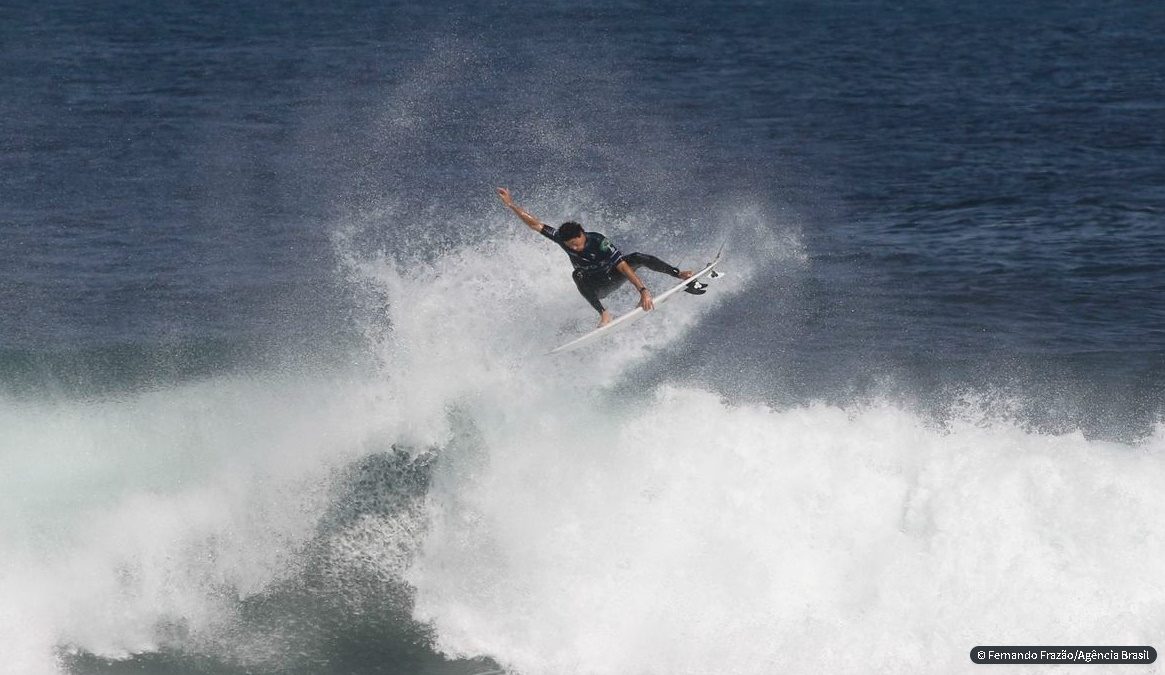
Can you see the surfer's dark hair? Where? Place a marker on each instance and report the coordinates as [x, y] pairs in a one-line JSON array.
[[570, 230]]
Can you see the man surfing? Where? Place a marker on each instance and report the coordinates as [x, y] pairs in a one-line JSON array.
[[599, 267]]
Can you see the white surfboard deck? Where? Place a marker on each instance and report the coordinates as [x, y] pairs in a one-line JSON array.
[[634, 315]]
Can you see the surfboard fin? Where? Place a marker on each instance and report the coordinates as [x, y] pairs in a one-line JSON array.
[[696, 288]]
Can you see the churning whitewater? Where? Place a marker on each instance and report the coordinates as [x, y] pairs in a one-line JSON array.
[[566, 524]]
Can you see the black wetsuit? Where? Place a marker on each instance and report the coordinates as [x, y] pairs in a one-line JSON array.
[[594, 267]]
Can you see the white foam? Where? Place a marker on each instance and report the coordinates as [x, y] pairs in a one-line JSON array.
[[124, 516], [692, 536]]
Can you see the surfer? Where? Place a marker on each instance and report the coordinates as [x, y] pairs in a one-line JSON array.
[[599, 267]]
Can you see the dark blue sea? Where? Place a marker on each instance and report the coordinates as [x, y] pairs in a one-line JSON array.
[[274, 391]]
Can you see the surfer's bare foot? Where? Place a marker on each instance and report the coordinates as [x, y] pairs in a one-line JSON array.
[[686, 274], [604, 318]]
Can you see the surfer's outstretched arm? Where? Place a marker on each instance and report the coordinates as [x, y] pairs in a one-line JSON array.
[[644, 294], [526, 217]]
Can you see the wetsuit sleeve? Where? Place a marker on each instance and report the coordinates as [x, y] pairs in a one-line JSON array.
[[550, 233]]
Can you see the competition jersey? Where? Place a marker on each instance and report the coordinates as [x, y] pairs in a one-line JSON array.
[[598, 256]]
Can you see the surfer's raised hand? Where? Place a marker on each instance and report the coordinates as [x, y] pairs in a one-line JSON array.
[[508, 199], [645, 300]]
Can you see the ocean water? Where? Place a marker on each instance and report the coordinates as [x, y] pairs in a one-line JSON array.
[[274, 395]]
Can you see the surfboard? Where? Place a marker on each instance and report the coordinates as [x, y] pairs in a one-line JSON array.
[[626, 319]]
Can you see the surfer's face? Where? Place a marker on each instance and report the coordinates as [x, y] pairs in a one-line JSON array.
[[577, 244]]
